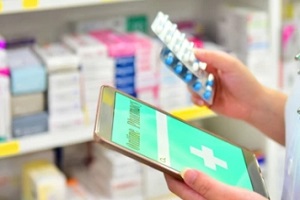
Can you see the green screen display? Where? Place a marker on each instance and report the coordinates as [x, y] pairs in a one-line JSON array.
[[173, 143]]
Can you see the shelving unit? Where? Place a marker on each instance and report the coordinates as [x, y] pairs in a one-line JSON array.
[[48, 20], [44, 141], [18, 6], [49, 140]]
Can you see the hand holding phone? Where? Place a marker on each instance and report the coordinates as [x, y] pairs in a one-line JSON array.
[[166, 143]]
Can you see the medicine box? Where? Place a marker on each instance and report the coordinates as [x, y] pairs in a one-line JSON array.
[[253, 35], [43, 180], [3, 55], [28, 75], [85, 46], [63, 122], [152, 180], [23, 104], [65, 108], [5, 71], [64, 80], [28, 80], [3, 58], [11, 173], [5, 114], [146, 66], [18, 42], [22, 57], [2, 42], [98, 69], [122, 51], [64, 93], [30, 124], [63, 97], [57, 57]]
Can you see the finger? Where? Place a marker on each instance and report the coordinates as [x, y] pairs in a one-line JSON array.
[[210, 189], [197, 100], [200, 183], [217, 59], [181, 189]]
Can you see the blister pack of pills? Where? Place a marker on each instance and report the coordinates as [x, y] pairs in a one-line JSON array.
[[178, 55]]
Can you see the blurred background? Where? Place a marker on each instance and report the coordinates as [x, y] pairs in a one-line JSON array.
[[54, 56]]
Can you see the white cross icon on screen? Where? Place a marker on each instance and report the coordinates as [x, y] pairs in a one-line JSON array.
[[210, 160]]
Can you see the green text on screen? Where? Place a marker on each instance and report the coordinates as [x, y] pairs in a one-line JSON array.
[[176, 144]]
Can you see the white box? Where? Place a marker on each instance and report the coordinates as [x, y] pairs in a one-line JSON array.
[[5, 114], [112, 23], [62, 122], [57, 57], [23, 56], [43, 180], [48, 184], [64, 108], [63, 96], [100, 68], [85, 46], [3, 58], [154, 183], [63, 80], [11, 172], [253, 34]]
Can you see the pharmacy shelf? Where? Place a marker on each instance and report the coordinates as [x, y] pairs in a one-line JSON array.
[[17, 6], [193, 113], [50, 140], [47, 140]]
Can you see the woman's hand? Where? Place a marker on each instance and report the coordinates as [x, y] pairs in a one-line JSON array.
[[198, 186], [239, 95], [237, 90]]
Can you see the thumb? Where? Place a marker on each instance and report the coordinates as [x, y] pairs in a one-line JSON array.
[[217, 59], [210, 189]]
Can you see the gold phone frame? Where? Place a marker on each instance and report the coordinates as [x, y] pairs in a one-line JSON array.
[[103, 131]]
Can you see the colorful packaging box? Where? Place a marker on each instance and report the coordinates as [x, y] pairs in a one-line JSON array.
[[121, 177], [64, 93], [65, 121], [3, 53], [30, 124], [65, 100], [28, 75], [11, 172], [57, 57], [18, 42], [123, 52], [97, 69], [5, 71], [5, 105], [3, 58], [23, 104], [146, 66], [43, 180], [2, 42]]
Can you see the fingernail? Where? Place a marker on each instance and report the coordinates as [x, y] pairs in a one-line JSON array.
[[200, 102], [198, 50], [197, 101], [189, 175]]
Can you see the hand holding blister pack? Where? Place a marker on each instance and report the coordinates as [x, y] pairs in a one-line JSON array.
[[178, 55]]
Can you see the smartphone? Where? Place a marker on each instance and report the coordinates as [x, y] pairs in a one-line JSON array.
[[166, 143]]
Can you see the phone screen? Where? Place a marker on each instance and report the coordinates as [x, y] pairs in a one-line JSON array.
[[176, 144]]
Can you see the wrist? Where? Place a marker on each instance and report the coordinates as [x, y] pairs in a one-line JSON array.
[[267, 114]]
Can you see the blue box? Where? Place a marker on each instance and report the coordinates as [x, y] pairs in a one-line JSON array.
[[27, 80], [30, 124], [125, 74], [28, 75]]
